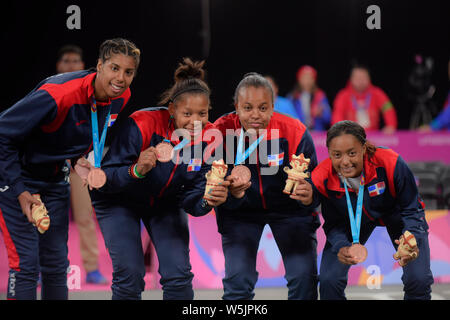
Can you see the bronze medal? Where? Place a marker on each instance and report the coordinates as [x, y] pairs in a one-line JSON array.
[[164, 151], [96, 178], [243, 172], [358, 251]]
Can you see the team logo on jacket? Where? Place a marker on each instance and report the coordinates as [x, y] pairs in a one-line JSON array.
[[194, 165], [376, 189], [112, 119], [276, 159]]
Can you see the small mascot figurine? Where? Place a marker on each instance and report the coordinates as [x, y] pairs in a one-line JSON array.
[[215, 176], [40, 215], [299, 165], [407, 246]]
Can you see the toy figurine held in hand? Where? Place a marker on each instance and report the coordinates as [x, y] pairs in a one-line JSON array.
[[299, 165], [40, 215], [215, 176], [407, 250]]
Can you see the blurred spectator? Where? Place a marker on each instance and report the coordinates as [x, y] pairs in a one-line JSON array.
[[281, 104], [70, 58], [362, 102], [310, 102], [442, 121]]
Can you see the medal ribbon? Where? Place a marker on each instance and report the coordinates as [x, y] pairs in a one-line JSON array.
[[355, 225], [98, 145], [366, 103], [240, 157], [178, 146]]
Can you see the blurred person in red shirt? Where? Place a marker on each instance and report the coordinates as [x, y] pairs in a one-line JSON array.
[[362, 102]]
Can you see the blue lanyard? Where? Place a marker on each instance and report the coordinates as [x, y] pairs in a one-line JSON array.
[[366, 103], [178, 146], [98, 145], [355, 225], [242, 157]]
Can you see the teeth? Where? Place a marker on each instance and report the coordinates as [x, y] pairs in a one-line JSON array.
[[115, 87]]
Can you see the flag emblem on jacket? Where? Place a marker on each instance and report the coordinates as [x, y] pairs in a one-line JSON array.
[[194, 165], [276, 159], [376, 189], [112, 119]]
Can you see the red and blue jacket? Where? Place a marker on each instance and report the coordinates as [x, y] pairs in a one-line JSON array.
[[169, 185], [51, 124], [390, 197], [265, 194]]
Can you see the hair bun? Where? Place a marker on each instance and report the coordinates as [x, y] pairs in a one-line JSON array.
[[189, 69]]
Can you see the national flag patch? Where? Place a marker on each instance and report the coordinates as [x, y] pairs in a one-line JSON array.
[[194, 165], [376, 189], [276, 159], [112, 119]]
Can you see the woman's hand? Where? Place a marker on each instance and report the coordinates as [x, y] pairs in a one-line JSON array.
[[303, 192], [82, 168], [218, 194], [406, 257], [147, 161], [345, 257], [26, 201], [237, 186]]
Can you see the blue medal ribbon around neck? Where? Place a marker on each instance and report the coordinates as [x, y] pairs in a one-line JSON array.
[[355, 222], [240, 156], [178, 146], [98, 144], [366, 102]]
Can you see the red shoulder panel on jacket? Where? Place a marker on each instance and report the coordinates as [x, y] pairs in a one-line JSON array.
[[70, 93], [387, 159], [150, 122], [65, 95]]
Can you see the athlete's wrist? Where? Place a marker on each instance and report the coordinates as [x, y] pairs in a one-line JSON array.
[[133, 172]]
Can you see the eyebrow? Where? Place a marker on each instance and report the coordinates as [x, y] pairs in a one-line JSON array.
[[116, 65], [332, 150], [263, 103]]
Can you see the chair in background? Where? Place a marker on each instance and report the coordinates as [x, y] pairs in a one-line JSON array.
[[429, 182]]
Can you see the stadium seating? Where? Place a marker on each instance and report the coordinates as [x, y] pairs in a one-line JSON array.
[[446, 187], [433, 182]]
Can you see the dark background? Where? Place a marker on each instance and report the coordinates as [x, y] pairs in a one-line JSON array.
[[269, 37]]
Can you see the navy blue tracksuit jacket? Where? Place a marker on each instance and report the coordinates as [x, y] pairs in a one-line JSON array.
[[265, 194], [167, 183], [158, 200], [391, 199], [241, 221], [37, 134]]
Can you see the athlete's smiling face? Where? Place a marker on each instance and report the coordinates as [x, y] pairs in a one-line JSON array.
[[254, 107], [114, 76], [347, 155], [190, 112]]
